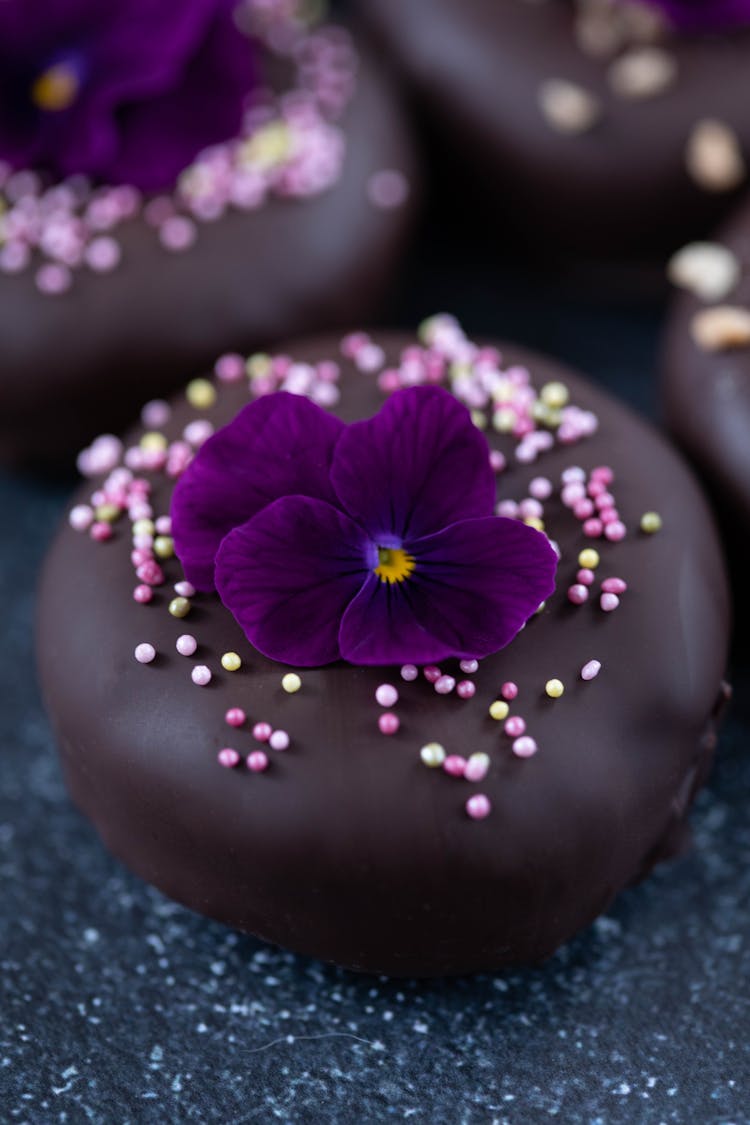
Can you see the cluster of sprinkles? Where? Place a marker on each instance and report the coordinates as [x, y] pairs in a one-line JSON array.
[[290, 146], [632, 41], [712, 273], [501, 398]]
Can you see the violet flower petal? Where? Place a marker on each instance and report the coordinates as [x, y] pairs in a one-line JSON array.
[[419, 465], [277, 446], [704, 15], [288, 574], [474, 586]]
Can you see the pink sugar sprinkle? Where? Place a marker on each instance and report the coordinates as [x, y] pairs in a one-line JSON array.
[[614, 585], [477, 767], [386, 695], [387, 189], [409, 672], [144, 653], [81, 517], [603, 473], [141, 555], [101, 531], [164, 527], [591, 670], [229, 368], [257, 761], [228, 757], [572, 493], [578, 594], [497, 461], [479, 806], [53, 278], [186, 644], [608, 515], [143, 594], [183, 589], [514, 726], [596, 488], [455, 765], [201, 675], [262, 732], [593, 528], [530, 508], [540, 488], [509, 690], [608, 602], [585, 576], [605, 500], [388, 723], [507, 508], [444, 685], [235, 717], [151, 573], [177, 233], [102, 254], [466, 689], [583, 509], [571, 474], [155, 414], [469, 666], [198, 432], [525, 747], [431, 673], [279, 740], [615, 531]]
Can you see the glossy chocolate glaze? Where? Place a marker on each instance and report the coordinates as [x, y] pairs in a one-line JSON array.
[[619, 188], [349, 848], [77, 364], [707, 394]]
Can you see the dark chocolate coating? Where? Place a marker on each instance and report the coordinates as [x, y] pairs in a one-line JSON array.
[[349, 848], [77, 364], [621, 187], [707, 394]]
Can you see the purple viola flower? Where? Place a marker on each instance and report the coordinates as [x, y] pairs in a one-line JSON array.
[[125, 92], [704, 15], [374, 542]]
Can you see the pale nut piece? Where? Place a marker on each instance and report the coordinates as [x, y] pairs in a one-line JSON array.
[[568, 108], [714, 156], [721, 328], [708, 270], [642, 73]]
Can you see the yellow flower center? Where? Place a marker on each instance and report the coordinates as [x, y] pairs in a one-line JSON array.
[[394, 564], [55, 89]]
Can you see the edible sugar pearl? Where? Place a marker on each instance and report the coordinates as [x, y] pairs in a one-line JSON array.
[[585, 576], [184, 589], [466, 689], [262, 732], [478, 807], [525, 747], [540, 488], [615, 531], [614, 586], [143, 594], [279, 740], [186, 644], [455, 765], [229, 368], [591, 670], [509, 690], [291, 683], [592, 528], [432, 755], [201, 675], [477, 767], [608, 602], [554, 688], [231, 662], [388, 723], [409, 672], [514, 726], [499, 710], [469, 666], [574, 473], [386, 695], [144, 653], [257, 761], [81, 517], [578, 594], [228, 757], [444, 685], [431, 673], [235, 717]]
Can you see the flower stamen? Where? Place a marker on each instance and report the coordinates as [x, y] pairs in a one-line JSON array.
[[394, 564], [56, 88]]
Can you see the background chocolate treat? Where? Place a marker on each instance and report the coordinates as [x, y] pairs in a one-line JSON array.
[[76, 362], [349, 848], [588, 129], [706, 370]]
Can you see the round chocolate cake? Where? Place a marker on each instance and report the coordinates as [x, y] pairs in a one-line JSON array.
[[110, 294], [595, 126], [706, 365], [415, 816]]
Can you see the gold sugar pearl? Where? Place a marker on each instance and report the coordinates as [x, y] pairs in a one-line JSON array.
[[179, 607], [554, 688], [231, 662], [200, 393], [499, 710], [432, 755], [291, 682], [651, 522], [588, 558], [154, 442], [164, 546]]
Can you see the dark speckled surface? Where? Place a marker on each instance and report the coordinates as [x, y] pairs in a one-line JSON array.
[[117, 1006]]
